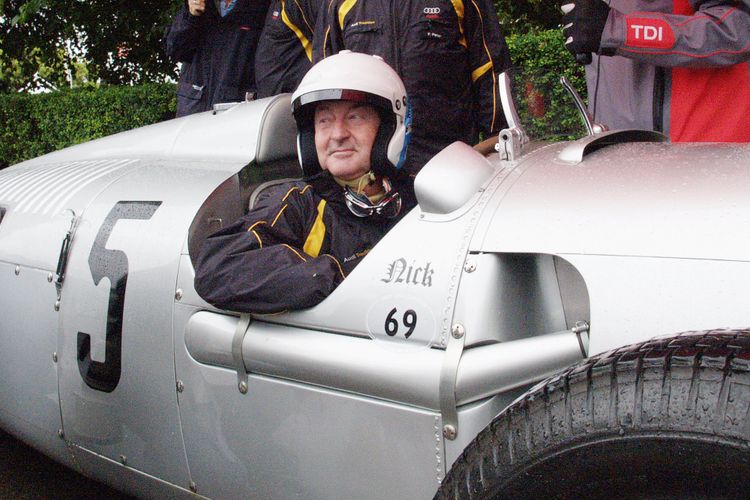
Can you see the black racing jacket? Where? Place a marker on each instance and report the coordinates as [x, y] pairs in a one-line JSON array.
[[285, 48], [217, 54], [448, 53], [289, 252]]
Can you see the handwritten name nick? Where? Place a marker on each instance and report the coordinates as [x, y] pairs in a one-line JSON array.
[[399, 272]]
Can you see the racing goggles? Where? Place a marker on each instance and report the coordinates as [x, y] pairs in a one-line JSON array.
[[361, 206]]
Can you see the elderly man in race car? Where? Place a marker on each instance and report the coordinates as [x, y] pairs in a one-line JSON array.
[[292, 250]]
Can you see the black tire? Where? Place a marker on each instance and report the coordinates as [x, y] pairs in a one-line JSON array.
[[667, 418]]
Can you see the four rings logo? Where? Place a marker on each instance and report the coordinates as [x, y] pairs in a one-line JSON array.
[[431, 10]]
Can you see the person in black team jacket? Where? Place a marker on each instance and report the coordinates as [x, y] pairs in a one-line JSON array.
[[285, 48], [448, 53], [292, 250], [215, 40]]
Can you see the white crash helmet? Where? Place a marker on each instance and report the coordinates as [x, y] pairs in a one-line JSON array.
[[356, 77]]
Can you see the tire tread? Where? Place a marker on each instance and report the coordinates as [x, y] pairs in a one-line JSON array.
[[697, 383]]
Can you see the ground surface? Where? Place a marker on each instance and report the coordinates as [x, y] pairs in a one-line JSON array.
[[27, 474]]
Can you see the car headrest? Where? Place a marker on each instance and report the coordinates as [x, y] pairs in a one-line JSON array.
[[277, 138]]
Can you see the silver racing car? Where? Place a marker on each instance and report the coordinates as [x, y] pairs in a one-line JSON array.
[[518, 334]]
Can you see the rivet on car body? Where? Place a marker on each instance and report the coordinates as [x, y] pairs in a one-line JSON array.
[[458, 331], [60, 434], [180, 386], [193, 487], [18, 270], [54, 357], [57, 305], [243, 387], [123, 460], [580, 327], [178, 294], [449, 432], [470, 266], [50, 277]]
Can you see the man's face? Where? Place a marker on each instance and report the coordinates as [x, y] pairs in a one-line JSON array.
[[344, 134]]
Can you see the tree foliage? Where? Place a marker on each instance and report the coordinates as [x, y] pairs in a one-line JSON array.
[[118, 42], [71, 42], [523, 16], [56, 120]]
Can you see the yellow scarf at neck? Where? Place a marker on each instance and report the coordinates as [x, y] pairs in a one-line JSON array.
[[359, 184]]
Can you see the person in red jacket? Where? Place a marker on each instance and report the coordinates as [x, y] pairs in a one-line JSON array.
[[293, 249], [675, 66], [215, 40]]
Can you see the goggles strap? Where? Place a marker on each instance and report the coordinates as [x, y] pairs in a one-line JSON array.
[[388, 204]]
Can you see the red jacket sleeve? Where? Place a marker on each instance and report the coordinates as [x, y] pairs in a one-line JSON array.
[[717, 33]]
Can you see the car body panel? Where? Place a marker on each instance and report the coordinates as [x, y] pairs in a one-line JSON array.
[[135, 244], [29, 401], [640, 199], [76, 190], [679, 292], [501, 277]]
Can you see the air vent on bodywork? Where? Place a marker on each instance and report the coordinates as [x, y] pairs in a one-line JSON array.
[[577, 150]]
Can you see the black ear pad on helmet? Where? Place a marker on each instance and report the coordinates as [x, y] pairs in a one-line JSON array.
[[308, 155], [379, 162]]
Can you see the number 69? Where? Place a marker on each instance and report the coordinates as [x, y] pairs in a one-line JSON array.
[[409, 320]]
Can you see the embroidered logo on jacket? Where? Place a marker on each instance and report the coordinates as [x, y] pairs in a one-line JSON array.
[[649, 33], [359, 24]]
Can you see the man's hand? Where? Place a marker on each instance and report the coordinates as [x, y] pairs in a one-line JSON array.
[[197, 7], [583, 24]]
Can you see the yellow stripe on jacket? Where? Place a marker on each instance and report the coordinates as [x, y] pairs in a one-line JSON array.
[[344, 10], [458, 6], [315, 239], [302, 38]]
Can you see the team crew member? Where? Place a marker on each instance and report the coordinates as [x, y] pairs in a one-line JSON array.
[[215, 40], [292, 250], [285, 47], [677, 66], [448, 54]]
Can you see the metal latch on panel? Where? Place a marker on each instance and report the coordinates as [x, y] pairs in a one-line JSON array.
[[239, 362], [581, 330], [448, 374], [62, 260]]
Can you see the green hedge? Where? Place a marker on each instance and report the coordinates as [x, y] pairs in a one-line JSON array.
[[542, 60], [31, 125], [34, 124]]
